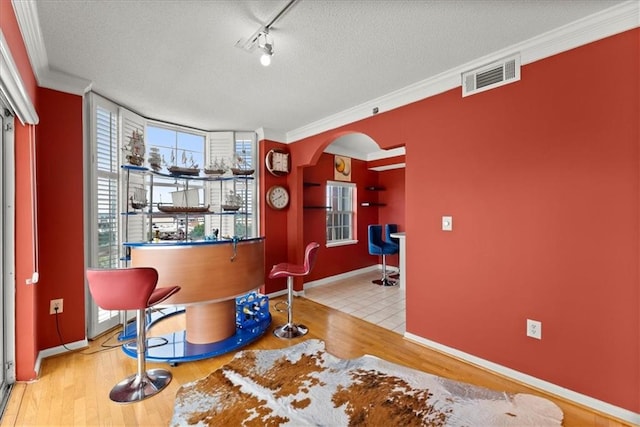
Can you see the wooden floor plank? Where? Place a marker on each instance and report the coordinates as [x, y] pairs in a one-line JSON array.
[[85, 377]]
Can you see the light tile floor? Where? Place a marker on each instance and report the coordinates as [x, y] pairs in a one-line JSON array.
[[382, 305]]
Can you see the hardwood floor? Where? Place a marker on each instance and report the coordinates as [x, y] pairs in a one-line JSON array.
[[73, 388]]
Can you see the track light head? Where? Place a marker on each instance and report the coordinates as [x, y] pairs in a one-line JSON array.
[[265, 44]]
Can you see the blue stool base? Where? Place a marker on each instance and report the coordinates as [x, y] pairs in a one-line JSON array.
[[174, 348], [177, 349]]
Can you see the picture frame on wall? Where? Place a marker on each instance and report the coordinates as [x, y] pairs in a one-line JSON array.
[[342, 168]]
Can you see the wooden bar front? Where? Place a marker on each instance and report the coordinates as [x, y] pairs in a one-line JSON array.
[[211, 276]]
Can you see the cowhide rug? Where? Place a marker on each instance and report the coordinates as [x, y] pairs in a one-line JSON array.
[[303, 386]]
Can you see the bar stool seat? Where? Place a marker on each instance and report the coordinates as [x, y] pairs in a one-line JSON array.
[[288, 270], [132, 289]]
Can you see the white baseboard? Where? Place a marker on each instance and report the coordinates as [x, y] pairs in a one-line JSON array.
[[48, 352], [327, 280], [581, 399], [342, 276]]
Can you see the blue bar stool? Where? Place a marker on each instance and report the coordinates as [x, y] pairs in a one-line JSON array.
[[377, 246]]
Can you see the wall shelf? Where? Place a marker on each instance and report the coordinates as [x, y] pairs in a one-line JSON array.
[[374, 188], [366, 204]]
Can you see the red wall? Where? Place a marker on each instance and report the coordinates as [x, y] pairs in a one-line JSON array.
[[542, 179], [273, 224], [60, 217]]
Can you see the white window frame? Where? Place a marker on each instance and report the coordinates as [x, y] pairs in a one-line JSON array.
[[335, 212]]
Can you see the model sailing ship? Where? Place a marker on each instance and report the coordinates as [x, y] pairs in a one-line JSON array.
[[189, 166], [134, 150], [232, 201], [216, 168]]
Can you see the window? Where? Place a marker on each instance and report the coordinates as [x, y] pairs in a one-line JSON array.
[[175, 147], [340, 216]]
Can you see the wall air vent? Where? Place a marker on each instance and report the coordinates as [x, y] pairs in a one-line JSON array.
[[491, 75]]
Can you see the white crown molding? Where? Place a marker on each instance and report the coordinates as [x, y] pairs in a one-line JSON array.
[[12, 86], [573, 396], [608, 22], [29, 23], [27, 16], [389, 167], [271, 135], [385, 154]]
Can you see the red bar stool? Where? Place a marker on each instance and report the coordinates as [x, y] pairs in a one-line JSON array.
[[284, 269], [132, 289]]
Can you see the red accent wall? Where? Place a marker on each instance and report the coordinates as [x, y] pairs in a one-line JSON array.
[[60, 217], [273, 224], [542, 178]]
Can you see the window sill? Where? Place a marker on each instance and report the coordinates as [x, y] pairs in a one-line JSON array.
[[341, 243]]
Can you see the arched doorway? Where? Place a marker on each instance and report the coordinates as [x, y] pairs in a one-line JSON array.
[[342, 277]]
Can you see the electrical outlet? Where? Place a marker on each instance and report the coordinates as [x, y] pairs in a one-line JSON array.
[[55, 306], [534, 329]]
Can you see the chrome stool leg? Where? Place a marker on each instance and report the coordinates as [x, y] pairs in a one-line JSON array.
[[143, 383], [289, 330], [385, 280]]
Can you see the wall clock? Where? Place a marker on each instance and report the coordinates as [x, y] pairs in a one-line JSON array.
[[277, 197], [277, 162]]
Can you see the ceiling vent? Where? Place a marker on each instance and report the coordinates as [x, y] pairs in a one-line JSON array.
[[491, 75]]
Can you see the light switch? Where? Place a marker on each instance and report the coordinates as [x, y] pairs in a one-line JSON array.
[[447, 223]]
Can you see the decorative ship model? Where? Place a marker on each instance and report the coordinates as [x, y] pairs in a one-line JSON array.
[[155, 161], [241, 167], [184, 201], [138, 199], [191, 170], [134, 150], [217, 168], [232, 201]]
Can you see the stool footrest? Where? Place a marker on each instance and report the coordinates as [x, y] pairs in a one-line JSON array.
[[289, 330]]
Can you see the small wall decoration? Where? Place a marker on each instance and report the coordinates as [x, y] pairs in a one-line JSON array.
[[342, 168]]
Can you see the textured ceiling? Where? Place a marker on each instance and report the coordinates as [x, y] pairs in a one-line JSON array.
[[176, 61]]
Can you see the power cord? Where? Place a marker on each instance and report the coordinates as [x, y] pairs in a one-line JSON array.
[[58, 329], [104, 346]]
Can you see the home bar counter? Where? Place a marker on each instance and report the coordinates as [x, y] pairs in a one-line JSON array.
[[211, 274]]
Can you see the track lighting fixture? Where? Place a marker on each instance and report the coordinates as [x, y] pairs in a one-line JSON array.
[[265, 44], [262, 39]]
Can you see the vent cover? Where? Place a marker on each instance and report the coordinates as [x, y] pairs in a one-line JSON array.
[[491, 75]]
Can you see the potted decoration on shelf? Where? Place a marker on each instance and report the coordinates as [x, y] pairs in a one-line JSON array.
[[134, 150]]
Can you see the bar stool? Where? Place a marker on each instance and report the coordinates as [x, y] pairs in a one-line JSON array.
[[132, 289], [291, 330], [377, 246]]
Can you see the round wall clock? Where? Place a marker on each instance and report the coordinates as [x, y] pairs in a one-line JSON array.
[[277, 162], [277, 197]]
